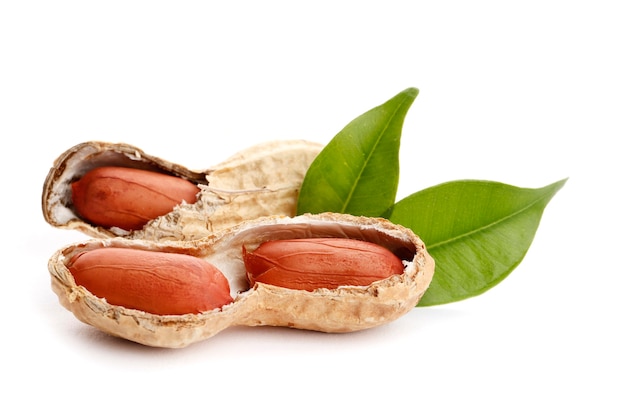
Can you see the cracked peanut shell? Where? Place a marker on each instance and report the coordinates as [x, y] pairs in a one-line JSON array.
[[345, 309], [262, 180]]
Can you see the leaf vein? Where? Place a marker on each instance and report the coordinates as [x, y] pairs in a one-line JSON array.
[[487, 226], [369, 157]]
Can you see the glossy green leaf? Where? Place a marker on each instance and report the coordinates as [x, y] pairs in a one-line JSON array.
[[477, 232], [357, 172]]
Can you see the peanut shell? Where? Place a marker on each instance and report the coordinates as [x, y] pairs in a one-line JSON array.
[[259, 181], [345, 309]]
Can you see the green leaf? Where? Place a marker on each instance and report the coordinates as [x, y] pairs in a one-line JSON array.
[[477, 232], [357, 172]]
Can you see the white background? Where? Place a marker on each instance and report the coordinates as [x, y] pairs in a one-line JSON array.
[[525, 93]]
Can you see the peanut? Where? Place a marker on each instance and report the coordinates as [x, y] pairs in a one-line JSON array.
[[155, 282], [128, 198], [308, 264]]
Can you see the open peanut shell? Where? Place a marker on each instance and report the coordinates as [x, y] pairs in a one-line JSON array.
[[345, 309], [262, 180]]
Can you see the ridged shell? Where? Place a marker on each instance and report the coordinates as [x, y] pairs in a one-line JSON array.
[[345, 309], [262, 180]]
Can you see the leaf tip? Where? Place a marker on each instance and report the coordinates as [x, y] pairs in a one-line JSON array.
[[559, 184], [411, 92]]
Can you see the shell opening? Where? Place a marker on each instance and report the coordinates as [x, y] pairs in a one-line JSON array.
[[83, 158]]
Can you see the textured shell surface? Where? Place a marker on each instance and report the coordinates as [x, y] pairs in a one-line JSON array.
[[345, 309], [262, 180]]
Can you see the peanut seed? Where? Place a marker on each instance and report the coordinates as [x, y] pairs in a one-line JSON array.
[[154, 282], [128, 198], [308, 264]]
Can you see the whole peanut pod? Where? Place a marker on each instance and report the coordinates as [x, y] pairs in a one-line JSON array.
[[309, 264], [129, 198], [154, 282]]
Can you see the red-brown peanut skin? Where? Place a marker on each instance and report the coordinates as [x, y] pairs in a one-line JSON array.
[[309, 264], [155, 282], [128, 198]]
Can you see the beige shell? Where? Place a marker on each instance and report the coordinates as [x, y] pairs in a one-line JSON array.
[[262, 180], [345, 309]]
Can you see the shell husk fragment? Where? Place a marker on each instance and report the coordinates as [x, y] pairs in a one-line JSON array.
[[262, 180], [345, 309]]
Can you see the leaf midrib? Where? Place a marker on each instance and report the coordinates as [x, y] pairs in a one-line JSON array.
[[369, 156], [487, 226]]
